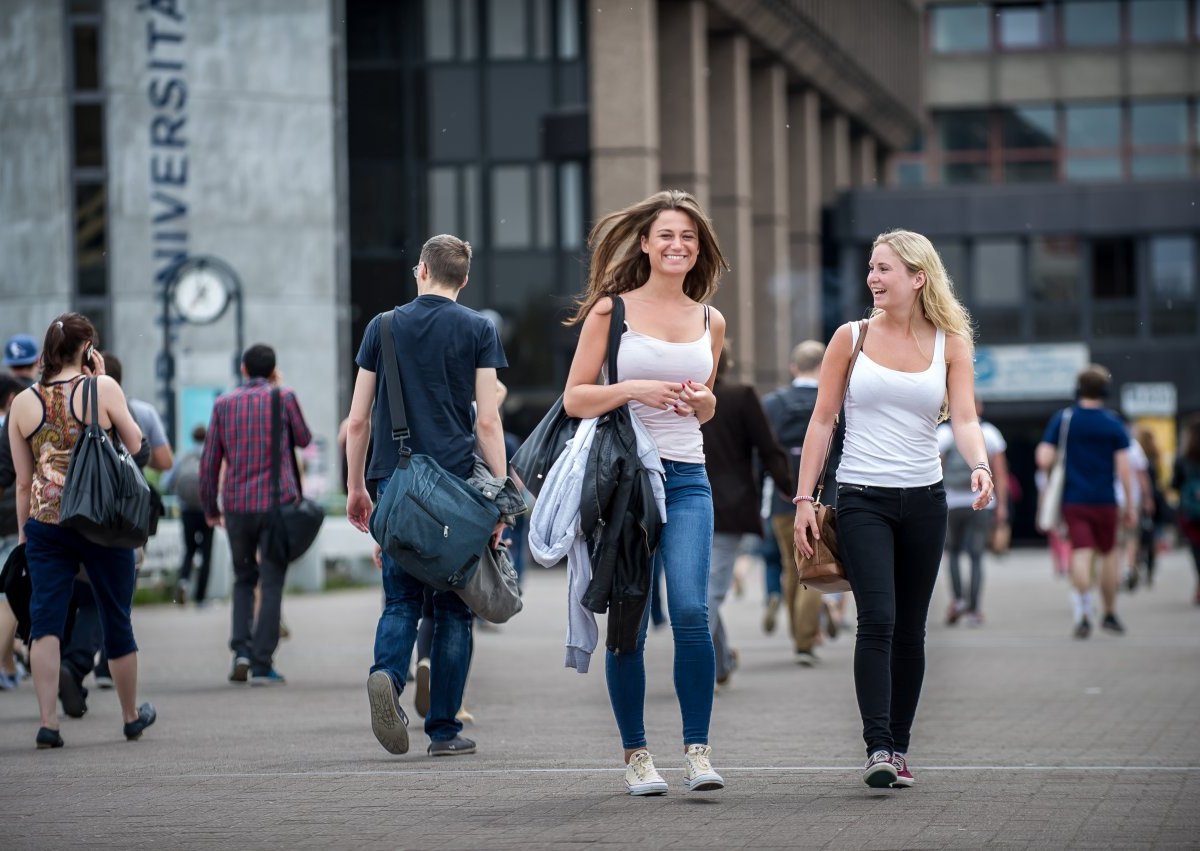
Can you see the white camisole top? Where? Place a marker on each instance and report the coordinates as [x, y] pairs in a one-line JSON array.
[[891, 422], [644, 357]]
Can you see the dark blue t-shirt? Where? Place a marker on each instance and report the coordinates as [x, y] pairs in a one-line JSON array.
[[1093, 436], [439, 345]]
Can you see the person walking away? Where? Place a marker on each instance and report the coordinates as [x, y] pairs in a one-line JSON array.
[[184, 481], [44, 423], [914, 368], [734, 438], [1097, 451], [10, 672], [789, 410], [1159, 511], [448, 356], [239, 436], [661, 256], [1186, 480], [1129, 538], [968, 529]]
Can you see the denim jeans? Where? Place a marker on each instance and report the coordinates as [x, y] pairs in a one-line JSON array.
[[684, 551], [720, 579], [450, 655], [772, 566], [967, 530], [891, 542]]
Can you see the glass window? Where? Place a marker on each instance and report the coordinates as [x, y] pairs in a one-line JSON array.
[[443, 200], [910, 174], [961, 28], [1054, 265], [517, 98], [1031, 171], [86, 58], [1092, 168], [541, 29], [545, 205], [1112, 269], [954, 257], [1173, 267], [468, 31], [568, 29], [1030, 127], [957, 173], [1159, 123], [472, 205], [507, 29], [570, 205], [965, 130], [512, 207], [91, 230], [996, 274], [1153, 166], [1021, 26], [1153, 21], [89, 135], [1093, 125], [1091, 22], [452, 128], [439, 30]]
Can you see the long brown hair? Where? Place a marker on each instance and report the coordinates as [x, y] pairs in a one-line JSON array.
[[63, 338], [619, 265]]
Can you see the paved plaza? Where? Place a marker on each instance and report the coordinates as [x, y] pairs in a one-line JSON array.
[[1025, 738]]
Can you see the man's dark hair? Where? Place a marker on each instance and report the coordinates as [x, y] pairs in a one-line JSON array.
[[1093, 382], [112, 367], [259, 361], [9, 386], [448, 259], [199, 434]]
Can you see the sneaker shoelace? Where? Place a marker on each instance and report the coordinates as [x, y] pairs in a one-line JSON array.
[[642, 766], [699, 760], [898, 763], [878, 758]]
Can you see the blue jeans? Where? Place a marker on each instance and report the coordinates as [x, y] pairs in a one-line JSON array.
[[684, 551], [396, 634], [772, 564]]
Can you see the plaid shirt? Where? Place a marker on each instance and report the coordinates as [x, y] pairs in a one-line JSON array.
[[240, 436]]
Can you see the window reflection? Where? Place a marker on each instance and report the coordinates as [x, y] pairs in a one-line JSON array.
[[1112, 269], [1159, 123], [1021, 26], [91, 228], [1173, 267], [964, 130], [1030, 127], [568, 29], [507, 29], [1156, 21], [1088, 23], [1093, 125], [960, 28], [443, 200], [570, 205], [512, 207], [996, 273], [439, 30], [1054, 267]]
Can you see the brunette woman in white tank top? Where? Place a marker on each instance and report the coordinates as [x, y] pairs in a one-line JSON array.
[[915, 364], [661, 256]]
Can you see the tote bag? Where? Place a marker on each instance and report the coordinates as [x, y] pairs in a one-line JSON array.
[[1049, 510]]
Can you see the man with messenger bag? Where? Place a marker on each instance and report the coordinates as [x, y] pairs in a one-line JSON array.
[[445, 356]]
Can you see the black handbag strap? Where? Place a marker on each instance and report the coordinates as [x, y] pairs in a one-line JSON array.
[[391, 376], [277, 449], [863, 325], [616, 327]]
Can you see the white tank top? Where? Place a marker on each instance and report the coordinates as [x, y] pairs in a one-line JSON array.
[[644, 357], [891, 422]]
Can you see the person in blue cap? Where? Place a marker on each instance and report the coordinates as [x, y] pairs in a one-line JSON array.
[[21, 358]]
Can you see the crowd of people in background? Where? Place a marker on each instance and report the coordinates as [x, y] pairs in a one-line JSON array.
[[918, 478]]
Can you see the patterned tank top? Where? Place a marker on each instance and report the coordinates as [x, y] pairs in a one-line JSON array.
[[52, 443]]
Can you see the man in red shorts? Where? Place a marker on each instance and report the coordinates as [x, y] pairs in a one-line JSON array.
[[1096, 445]]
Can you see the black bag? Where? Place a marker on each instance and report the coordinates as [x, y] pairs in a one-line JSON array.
[[17, 587], [293, 526], [494, 592], [548, 439], [428, 520], [105, 497]]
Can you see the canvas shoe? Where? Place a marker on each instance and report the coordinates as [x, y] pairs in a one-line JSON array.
[[241, 670], [388, 721], [421, 699], [904, 777], [879, 773], [641, 777], [698, 774], [458, 746]]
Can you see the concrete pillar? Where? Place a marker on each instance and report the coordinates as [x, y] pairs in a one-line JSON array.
[[804, 213], [769, 179], [863, 162], [624, 107], [683, 98], [835, 155], [731, 211]]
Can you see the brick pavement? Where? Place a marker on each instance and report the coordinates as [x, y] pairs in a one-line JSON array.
[[1025, 739]]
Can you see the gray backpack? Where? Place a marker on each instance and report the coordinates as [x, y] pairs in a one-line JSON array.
[[186, 482]]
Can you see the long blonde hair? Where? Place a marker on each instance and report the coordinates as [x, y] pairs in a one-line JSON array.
[[619, 265], [937, 297]]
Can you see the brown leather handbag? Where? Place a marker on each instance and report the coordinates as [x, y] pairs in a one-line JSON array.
[[823, 571]]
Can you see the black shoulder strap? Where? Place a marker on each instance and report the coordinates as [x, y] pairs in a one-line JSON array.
[[616, 327], [391, 375], [276, 447]]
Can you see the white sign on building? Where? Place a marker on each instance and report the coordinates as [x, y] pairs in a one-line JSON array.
[[1151, 399], [1019, 373]]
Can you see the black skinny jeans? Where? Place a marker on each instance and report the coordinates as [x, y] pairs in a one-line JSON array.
[[891, 542]]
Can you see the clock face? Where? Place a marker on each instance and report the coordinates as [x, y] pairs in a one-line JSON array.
[[200, 296]]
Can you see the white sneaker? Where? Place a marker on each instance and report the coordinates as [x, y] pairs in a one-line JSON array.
[[698, 774], [641, 777]]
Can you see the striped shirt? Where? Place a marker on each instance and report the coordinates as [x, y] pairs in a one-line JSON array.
[[240, 436]]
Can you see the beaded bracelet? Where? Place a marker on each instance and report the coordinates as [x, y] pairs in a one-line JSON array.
[[804, 498], [985, 468]]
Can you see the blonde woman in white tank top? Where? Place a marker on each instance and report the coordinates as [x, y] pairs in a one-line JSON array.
[[661, 256], [891, 506]]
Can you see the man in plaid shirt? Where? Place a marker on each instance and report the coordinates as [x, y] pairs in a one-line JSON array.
[[239, 436]]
